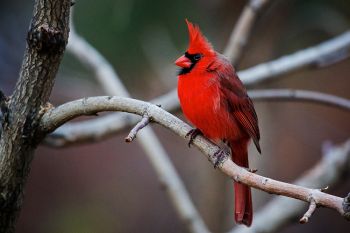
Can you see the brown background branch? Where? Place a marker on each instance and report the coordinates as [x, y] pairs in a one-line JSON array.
[[47, 38]]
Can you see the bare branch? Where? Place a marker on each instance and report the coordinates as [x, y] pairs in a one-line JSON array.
[[309, 212], [332, 50], [140, 125], [99, 128], [241, 32], [299, 95], [328, 171], [68, 111]]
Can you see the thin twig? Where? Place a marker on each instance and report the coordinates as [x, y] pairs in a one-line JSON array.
[[334, 164], [140, 125], [70, 110], [300, 95], [157, 155], [309, 212], [241, 32]]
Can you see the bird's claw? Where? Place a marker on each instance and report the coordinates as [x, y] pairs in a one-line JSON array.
[[252, 170], [193, 133], [220, 157]]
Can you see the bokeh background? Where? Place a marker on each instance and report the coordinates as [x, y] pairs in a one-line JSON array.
[[110, 186]]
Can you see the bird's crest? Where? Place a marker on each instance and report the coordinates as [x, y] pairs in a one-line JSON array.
[[198, 42]]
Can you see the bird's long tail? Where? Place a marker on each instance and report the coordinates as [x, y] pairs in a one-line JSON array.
[[243, 196]]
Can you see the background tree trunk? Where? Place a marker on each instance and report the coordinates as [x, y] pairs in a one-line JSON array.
[[46, 41]]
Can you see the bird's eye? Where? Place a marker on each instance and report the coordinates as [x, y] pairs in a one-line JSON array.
[[197, 56]]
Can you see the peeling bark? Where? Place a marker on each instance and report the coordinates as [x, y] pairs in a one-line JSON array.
[[46, 41]]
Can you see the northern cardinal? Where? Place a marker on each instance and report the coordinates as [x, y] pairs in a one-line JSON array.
[[214, 100]]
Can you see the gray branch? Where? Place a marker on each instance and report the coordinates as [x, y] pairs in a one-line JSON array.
[[326, 53], [309, 212], [140, 125], [241, 32], [100, 128], [70, 110], [334, 164], [300, 95]]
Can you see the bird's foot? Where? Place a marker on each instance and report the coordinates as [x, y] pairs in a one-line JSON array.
[[220, 156], [193, 133], [252, 170]]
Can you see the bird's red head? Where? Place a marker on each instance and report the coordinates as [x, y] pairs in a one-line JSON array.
[[198, 48]]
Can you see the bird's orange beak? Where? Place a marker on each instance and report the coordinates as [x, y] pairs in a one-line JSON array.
[[183, 62]]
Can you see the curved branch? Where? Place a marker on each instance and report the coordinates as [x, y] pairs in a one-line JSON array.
[[88, 106], [241, 32], [325, 53], [300, 95], [99, 128], [334, 163]]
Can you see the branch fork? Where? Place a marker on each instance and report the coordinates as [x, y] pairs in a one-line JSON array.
[[140, 125], [310, 211]]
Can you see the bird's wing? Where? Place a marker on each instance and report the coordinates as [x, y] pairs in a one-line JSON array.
[[243, 111], [235, 97]]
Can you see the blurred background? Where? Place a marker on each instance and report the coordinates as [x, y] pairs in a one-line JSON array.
[[110, 186]]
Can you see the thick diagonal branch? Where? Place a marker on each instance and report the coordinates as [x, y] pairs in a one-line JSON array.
[[328, 171], [99, 128], [68, 111]]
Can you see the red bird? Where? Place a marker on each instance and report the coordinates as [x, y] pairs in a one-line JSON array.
[[213, 98]]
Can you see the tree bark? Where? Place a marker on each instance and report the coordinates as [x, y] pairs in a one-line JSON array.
[[46, 41]]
